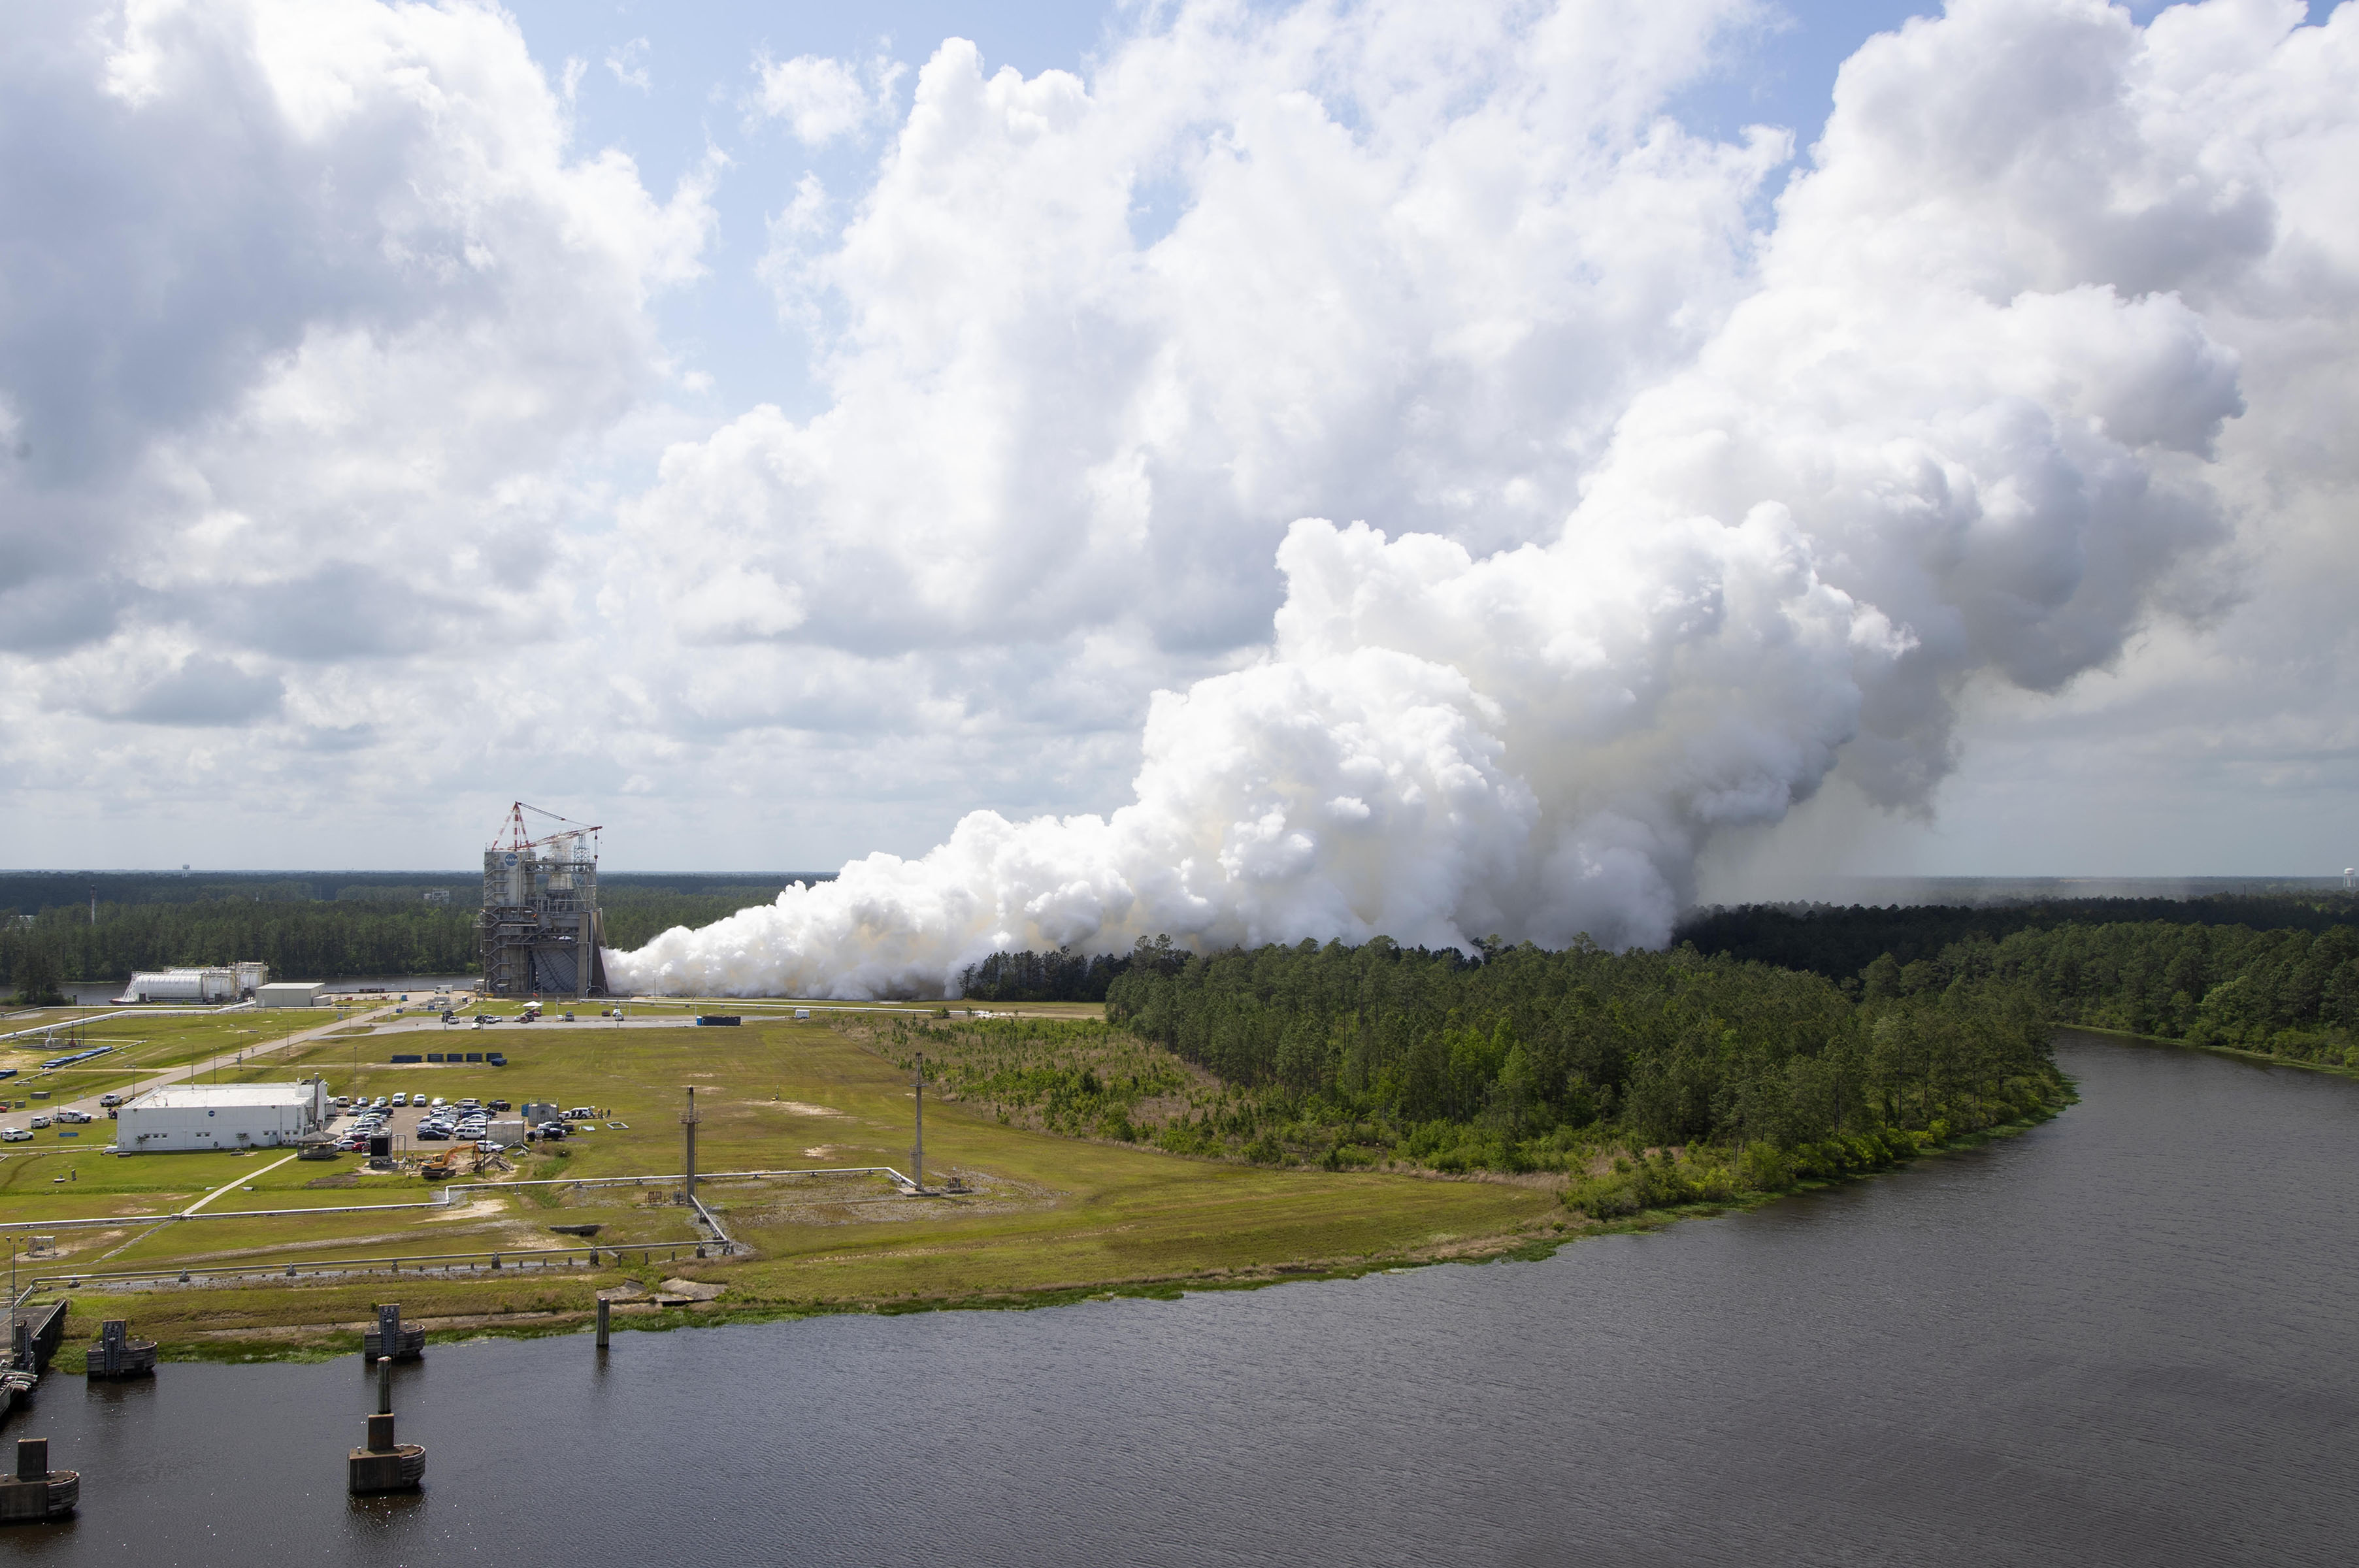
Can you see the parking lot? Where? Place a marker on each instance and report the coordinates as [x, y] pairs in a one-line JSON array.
[[401, 1122]]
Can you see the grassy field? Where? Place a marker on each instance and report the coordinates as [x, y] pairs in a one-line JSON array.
[[142, 1045], [1042, 1217]]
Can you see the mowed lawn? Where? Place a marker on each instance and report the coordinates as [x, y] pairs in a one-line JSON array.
[[1043, 1213]]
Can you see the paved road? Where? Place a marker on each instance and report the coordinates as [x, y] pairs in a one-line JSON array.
[[231, 1059]]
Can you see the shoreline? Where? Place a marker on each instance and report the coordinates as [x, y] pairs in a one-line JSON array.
[[2238, 1053], [320, 1342]]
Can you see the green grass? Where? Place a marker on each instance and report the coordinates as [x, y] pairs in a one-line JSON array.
[[1048, 1216]]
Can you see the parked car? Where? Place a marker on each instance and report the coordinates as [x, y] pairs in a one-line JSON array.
[[434, 1134], [108, 1102], [40, 1121], [552, 1129], [581, 1113], [400, 1100], [501, 1105], [73, 1116], [488, 1146], [14, 1135]]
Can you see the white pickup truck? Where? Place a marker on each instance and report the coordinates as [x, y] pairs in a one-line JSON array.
[[73, 1116]]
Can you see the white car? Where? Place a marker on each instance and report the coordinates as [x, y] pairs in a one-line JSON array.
[[75, 1116], [401, 1099], [40, 1121], [14, 1135]]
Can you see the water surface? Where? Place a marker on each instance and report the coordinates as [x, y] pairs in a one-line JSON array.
[[2121, 1338]]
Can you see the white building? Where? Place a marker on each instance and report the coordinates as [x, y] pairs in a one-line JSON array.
[[289, 994], [222, 1116]]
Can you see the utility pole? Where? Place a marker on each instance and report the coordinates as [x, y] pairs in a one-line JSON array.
[[918, 1152]]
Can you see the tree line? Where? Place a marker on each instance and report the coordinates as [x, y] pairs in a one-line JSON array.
[[1523, 1058], [1840, 941], [304, 936], [1062, 975], [2289, 992]]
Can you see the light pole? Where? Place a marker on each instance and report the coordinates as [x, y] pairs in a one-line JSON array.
[[918, 1150]]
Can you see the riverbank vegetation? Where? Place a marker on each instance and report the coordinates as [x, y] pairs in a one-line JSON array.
[[1640, 1078], [2277, 974], [2286, 993]]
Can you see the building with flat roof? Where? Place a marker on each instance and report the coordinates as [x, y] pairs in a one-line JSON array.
[[222, 1116], [290, 993]]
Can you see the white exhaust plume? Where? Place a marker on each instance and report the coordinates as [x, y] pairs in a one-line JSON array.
[[1966, 428]]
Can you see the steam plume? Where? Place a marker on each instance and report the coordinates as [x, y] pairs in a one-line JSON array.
[[1965, 429]]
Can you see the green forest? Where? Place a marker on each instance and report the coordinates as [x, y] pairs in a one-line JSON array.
[[1839, 941], [1526, 1059], [1650, 1078], [318, 927], [2288, 993]]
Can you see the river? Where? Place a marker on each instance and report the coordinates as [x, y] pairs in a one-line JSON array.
[[2123, 1337]]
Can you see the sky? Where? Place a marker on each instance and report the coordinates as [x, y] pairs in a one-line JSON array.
[[1659, 453]]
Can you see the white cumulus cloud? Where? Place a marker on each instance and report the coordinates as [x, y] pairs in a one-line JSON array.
[[1971, 418]]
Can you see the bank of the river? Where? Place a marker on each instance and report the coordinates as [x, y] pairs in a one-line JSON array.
[[2271, 1058], [1040, 1220], [317, 1320], [2118, 1338]]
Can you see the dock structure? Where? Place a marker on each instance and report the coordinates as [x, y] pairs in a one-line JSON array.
[[117, 1354], [36, 1492], [391, 1338], [33, 1335], [384, 1464]]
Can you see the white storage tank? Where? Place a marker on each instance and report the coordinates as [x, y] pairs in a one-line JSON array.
[[181, 985], [221, 1116]]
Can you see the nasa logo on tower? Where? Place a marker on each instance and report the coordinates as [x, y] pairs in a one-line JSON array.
[[509, 859]]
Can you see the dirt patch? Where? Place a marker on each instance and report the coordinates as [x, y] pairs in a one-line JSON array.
[[693, 1290], [798, 1107], [340, 1179], [474, 1208]]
